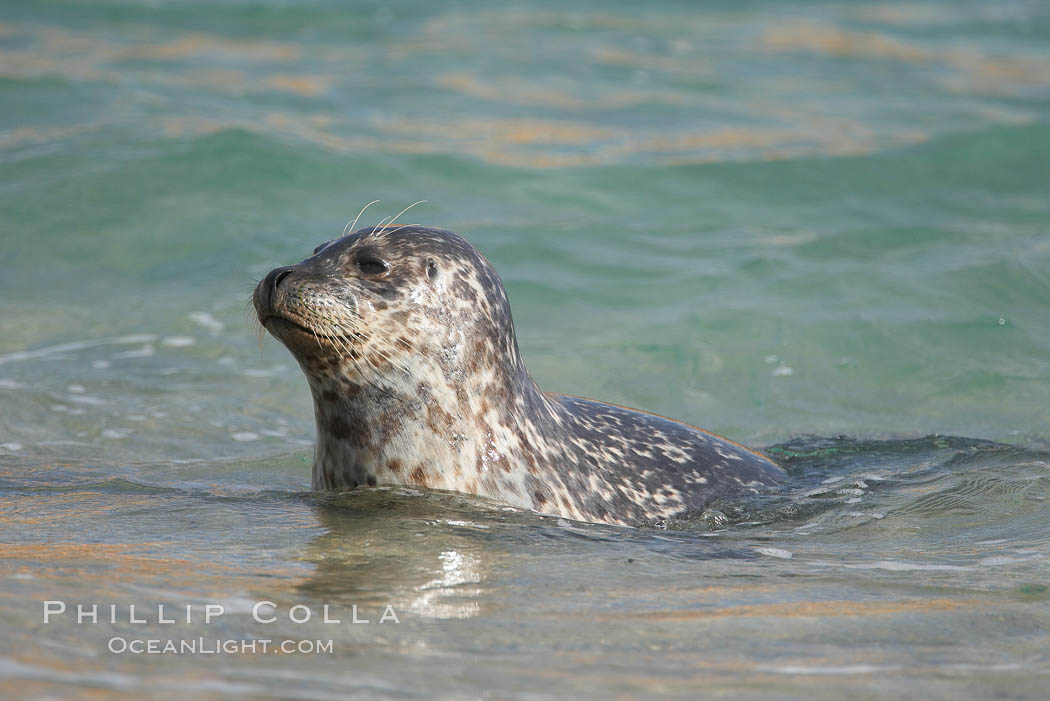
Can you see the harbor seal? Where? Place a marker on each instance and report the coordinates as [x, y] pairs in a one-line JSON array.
[[406, 340]]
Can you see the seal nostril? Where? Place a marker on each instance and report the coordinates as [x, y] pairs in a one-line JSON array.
[[281, 274], [267, 290]]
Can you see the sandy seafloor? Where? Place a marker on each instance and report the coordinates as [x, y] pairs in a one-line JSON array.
[[823, 230]]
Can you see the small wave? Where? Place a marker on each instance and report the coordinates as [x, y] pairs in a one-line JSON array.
[[116, 485], [74, 346], [839, 483]]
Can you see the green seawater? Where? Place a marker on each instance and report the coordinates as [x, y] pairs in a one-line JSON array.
[[821, 229]]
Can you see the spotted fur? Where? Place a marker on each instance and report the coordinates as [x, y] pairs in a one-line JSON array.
[[406, 339]]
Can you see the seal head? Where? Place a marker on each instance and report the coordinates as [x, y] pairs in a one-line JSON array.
[[406, 339]]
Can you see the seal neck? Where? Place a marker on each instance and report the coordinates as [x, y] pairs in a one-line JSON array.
[[465, 433]]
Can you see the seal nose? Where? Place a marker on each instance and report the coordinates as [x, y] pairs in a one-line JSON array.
[[267, 289], [278, 275]]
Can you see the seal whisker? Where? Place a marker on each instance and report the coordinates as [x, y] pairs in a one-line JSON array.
[[350, 227], [392, 221], [355, 357], [389, 357], [254, 323], [377, 230], [339, 342], [368, 360], [327, 332], [385, 355]]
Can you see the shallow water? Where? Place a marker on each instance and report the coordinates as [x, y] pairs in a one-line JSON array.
[[822, 221]]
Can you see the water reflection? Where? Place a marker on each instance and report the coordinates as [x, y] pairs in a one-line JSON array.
[[422, 553]]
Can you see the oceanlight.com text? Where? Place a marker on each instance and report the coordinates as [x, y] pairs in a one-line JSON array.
[[214, 646]]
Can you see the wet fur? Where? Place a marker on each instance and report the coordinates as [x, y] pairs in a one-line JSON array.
[[417, 379]]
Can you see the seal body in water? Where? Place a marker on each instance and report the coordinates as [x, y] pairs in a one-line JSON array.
[[406, 339]]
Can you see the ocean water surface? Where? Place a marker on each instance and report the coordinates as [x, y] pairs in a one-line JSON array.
[[821, 230]]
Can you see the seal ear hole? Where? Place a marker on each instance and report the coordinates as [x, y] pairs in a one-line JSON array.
[[432, 269], [370, 265]]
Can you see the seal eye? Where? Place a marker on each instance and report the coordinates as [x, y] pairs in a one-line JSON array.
[[370, 265]]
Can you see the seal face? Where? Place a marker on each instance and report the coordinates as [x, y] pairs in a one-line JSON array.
[[406, 339]]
